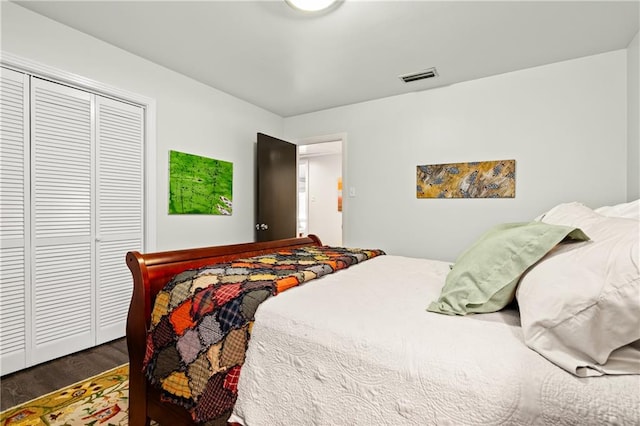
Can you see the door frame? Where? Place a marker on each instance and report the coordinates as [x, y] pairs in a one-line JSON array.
[[334, 137]]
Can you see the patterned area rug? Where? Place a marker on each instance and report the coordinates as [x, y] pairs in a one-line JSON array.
[[99, 400]]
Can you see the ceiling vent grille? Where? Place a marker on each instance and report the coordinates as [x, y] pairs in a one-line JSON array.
[[420, 75]]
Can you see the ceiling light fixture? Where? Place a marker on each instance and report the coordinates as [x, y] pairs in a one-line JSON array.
[[310, 5]]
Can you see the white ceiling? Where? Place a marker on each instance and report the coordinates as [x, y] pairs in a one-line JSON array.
[[291, 63]]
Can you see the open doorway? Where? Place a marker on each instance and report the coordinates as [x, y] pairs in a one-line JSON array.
[[320, 190]]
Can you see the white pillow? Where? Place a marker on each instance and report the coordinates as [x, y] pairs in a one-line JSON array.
[[629, 210], [580, 305]]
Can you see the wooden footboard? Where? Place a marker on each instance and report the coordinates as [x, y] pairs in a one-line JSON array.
[[151, 272]]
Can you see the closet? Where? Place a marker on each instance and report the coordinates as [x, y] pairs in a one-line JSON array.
[[71, 206]]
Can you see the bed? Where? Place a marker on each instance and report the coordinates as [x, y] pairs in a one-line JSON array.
[[151, 272], [359, 347]]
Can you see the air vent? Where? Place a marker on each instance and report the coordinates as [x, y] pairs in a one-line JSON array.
[[421, 75]]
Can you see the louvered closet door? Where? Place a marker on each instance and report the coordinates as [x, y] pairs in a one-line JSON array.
[[62, 141], [119, 210], [14, 208]]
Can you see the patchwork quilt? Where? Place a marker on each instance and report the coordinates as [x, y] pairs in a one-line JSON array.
[[201, 322]]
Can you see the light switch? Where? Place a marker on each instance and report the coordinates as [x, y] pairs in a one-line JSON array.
[[352, 191]]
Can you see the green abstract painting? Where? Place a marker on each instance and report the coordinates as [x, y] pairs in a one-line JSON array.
[[199, 185]]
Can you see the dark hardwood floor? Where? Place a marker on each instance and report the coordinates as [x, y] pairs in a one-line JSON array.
[[41, 379]]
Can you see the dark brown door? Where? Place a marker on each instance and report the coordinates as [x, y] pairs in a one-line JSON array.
[[277, 176]]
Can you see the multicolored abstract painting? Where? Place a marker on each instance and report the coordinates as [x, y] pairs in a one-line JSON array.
[[340, 194], [484, 179], [199, 185]]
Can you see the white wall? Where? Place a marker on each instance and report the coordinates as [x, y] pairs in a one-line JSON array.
[[633, 117], [191, 117], [324, 218], [564, 124]]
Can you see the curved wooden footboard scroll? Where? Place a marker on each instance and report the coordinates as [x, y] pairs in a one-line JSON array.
[[151, 272]]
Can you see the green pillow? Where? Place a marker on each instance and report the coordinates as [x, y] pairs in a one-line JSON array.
[[485, 276]]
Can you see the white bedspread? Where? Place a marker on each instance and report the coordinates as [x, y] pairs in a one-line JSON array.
[[358, 348]]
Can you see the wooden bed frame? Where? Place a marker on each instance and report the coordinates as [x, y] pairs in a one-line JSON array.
[[151, 272]]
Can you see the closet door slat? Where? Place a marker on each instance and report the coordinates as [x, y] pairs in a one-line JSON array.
[[119, 182], [62, 155], [14, 213]]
